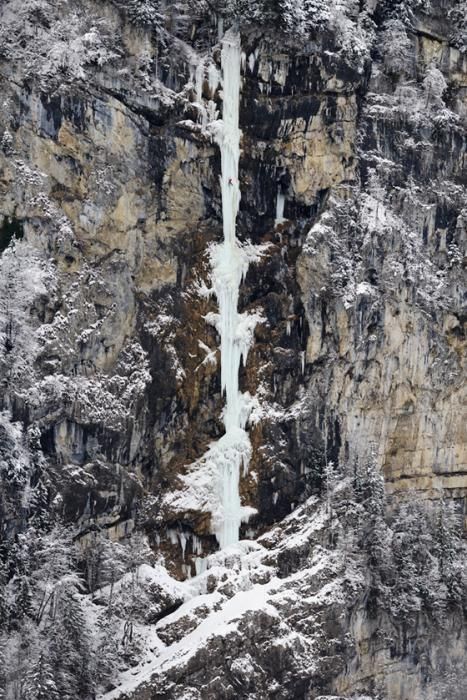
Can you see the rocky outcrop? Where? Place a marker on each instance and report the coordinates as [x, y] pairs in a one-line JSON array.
[[110, 185]]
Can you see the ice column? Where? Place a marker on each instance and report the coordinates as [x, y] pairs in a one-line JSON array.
[[229, 266], [228, 263]]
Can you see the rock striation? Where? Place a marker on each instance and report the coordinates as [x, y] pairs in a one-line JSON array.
[[353, 176]]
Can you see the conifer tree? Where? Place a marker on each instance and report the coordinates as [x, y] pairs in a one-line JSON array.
[[77, 634], [3, 641], [4, 611], [107, 657], [451, 554], [40, 682]]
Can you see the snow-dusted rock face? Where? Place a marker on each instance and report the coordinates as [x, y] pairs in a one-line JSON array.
[[351, 229], [283, 617]]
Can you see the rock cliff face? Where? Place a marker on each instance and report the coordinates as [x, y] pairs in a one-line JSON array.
[[356, 123]]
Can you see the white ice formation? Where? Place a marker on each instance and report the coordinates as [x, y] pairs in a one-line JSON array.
[[212, 483], [229, 265]]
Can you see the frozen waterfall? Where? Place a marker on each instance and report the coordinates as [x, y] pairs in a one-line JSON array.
[[229, 265], [213, 481]]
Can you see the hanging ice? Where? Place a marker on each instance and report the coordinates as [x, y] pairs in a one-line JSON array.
[[212, 483], [280, 204], [229, 266]]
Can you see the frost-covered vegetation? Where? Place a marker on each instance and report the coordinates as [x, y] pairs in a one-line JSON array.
[[54, 40], [85, 602], [415, 554], [57, 639], [77, 613]]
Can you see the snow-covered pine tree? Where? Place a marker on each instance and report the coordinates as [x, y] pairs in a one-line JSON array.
[[3, 643], [114, 564], [70, 648], [40, 681], [107, 656], [76, 631], [40, 514], [396, 49], [451, 553], [55, 571], [374, 535], [416, 585], [149, 13], [4, 608], [23, 606]]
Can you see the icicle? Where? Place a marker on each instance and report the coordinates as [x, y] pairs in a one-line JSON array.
[[173, 536], [302, 361], [280, 204], [182, 538], [197, 545], [213, 79]]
